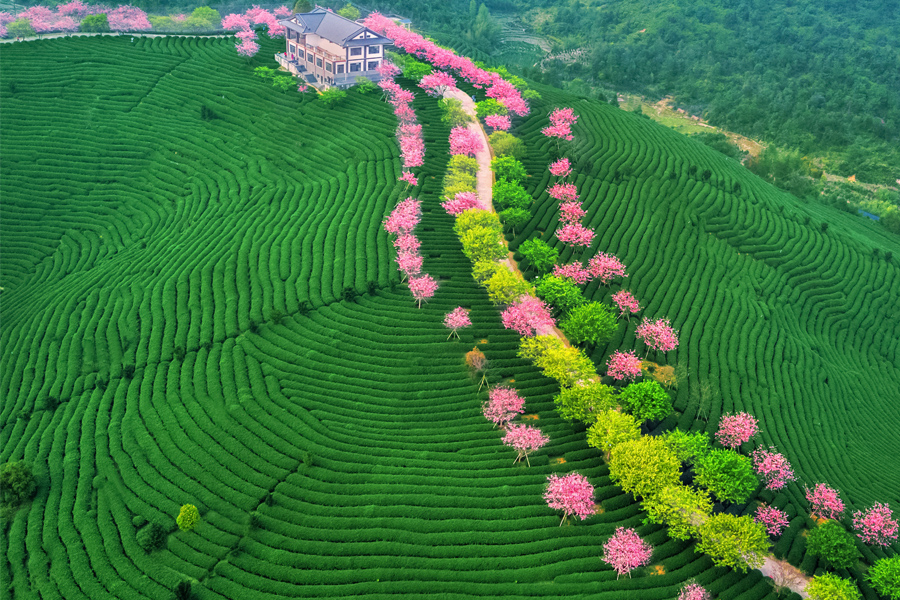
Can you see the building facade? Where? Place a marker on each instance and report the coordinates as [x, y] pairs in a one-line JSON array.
[[328, 50]]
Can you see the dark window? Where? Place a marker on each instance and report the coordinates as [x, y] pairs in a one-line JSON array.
[[328, 67], [373, 65], [300, 53], [319, 62], [374, 49], [355, 67], [340, 69], [355, 51], [309, 57]]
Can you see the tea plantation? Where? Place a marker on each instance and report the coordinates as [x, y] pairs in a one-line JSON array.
[[205, 311]]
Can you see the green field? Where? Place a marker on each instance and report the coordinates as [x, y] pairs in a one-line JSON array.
[[335, 448]]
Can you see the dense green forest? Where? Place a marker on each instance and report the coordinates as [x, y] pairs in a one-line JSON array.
[[821, 77]]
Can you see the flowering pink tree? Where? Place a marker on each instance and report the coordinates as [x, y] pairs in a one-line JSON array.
[[623, 365], [775, 520], [437, 83], [772, 467], [464, 141], [876, 525], [75, 8], [626, 551], [561, 168], [575, 234], [825, 502], [422, 287], [658, 335], [564, 192], [128, 18], [461, 202], [527, 316], [503, 405], [409, 178], [456, 319], [409, 264], [405, 216], [736, 429], [571, 494], [235, 22], [626, 302], [605, 267], [498, 122], [283, 11], [247, 47], [407, 242], [574, 271], [571, 212], [693, 591], [524, 439]]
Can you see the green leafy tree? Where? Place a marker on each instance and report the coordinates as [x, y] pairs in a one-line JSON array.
[[477, 217], [415, 70], [264, 72], [590, 323], [485, 30], [506, 144], [833, 543], [611, 428], [688, 447], [568, 366], [681, 508], [829, 586], [505, 287], [364, 85], [188, 517], [332, 96], [203, 18], [284, 83], [647, 400], [481, 243], [515, 218], [23, 28], [489, 107], [303, 6], [458, 181], [16, 482], [884, 576], [534, 348], [584, 402], [560, 293], [483, 270], [541, 255], [453, 114], [463, 164], [510, 194], [736, 542], [93, 23], [349, 12], [508, 168], [726, 474], [644, 466]]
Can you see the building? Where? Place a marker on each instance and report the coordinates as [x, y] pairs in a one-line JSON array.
[[328, 50]]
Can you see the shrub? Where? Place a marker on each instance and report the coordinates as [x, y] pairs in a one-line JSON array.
[[884, 576], [364, 85], [504, 286], [679, 507], [591, 323], [727, 475], [688, 447], [506, 144], [584, 402], [489, 107], [508, 168], [481, 243], [332, 96], [644, 466], [612, 428], [454, 114], [188, 517], [560, 293], [151, 537], [483, 270], [829, 586], [515, 218], [833, 543], [477, 217], [510, 194], [647, 400], [95, 23], [17, 483], [541, 255], [464, 164]]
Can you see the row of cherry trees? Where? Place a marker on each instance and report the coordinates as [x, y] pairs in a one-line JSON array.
[[69, 17]]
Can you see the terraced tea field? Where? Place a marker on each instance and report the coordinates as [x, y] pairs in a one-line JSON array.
[[172, 333]]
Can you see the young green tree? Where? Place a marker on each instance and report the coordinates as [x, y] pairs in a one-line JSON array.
[[264, 72], [454, 114], [884, 576], [463, 164], [736, 542], [23, 28], [562, 294], [541, 255], [688, 447], [647, 400], [726, 474], [644, 466], [489, 107], [188, 517], [505, 287], [568, 366], [349, 12], [833, 543], [284, 83], [203, 18], [483, 270], [584, 402], [829, 586], [93, 23], [610, 429], [514, 218], [364, 85], [508, 168], [477, 217], [681, 508], [506, 144], [481, 243], [510, 194], [303, 6], [332, 96], [591, 323], [415, 70]]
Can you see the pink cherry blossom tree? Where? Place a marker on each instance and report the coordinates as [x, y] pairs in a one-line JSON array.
[[561, 168], [572, 494], [422, 287], [626, 551], [606, 267], [283, 11], [563, 116], [623, 365], [571, 212], [825, 502], [409, 178], [456, 319], [528, 316], [503, 405], [626, 302], [407, 242], [235, 22], [437, 83], [464, 141], [693, 591], [460, 203], [772, 467], [876, 525], [736, 429], [658, 335], [405, 216], [247, 48], [525, 440], [128, 18], [498, 122], [775, 520], [564, 192], [410, 265], [574, 271], [575, 234]]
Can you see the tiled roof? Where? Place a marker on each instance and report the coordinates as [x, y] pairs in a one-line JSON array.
[[331, 26]]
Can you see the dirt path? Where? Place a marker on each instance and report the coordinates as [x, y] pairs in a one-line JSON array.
[[784, 574]]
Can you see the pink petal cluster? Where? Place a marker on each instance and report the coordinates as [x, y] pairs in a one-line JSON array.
[[571, 212], [442, 58], [623, 365], [772, 467], [458, 318], [775, 520], [572, 494], [422, 288], [235, 21], [658, 335], [875, 526], [128, 18], [409, 133], [243, 24], [67, 17], [405, 216], [564, 192], [825, 502], [503, 405], [247, 48], [409, 178], [605, 267], [524, 439], [626, 302], [465, 141], [75, 8], [407, 242], [528, 316], [498, 122], [436, 83], [461, 202], [561, 168], [574, 271], [283, 11], [563, 132], [693, 591], [626, 551], [261, 16], [575, 234], [561, 121], [409, 264], [736, 429]]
